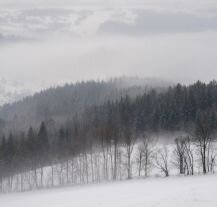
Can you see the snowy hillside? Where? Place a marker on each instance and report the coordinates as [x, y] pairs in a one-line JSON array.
[[197, 191]]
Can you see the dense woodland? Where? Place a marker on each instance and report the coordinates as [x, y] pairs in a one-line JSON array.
[[104, 141]]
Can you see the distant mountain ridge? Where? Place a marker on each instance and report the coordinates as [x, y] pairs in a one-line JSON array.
[[63, 101]]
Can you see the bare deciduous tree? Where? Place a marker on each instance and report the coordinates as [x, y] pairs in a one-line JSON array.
[[179, 154], [130, 140], [161, 160], [145, 154], [189, 156], [204, 137]]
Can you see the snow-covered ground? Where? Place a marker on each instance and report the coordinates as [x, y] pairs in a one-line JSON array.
[[195, 191]]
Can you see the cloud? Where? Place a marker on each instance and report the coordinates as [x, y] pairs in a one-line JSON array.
[[45, 46], [40, 23], [48, 22], [10, 39], [152, 22]]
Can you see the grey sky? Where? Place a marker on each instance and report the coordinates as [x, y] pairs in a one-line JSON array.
[[45, 43]]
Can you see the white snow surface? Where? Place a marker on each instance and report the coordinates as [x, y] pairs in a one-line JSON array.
[[175, 191]]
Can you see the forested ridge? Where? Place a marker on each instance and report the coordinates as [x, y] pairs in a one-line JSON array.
[[61, 102], [109, 127]]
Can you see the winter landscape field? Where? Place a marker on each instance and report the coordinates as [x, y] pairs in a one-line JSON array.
[[179, 191], [108, 103]]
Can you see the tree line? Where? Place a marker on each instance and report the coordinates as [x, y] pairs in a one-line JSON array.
[[104, 142]]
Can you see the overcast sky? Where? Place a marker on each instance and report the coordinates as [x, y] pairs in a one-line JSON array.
[[49, 42]]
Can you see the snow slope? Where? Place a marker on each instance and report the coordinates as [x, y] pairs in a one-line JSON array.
[[196, 191]]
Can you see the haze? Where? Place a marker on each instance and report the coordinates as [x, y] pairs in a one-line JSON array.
[[45, 43]]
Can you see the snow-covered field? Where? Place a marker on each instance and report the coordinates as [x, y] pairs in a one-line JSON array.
[[195, 191]]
